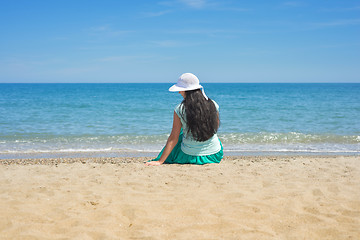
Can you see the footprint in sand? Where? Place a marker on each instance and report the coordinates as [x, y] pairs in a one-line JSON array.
[[129, 213], [317, 192], [333, 189], [267, 184], [45, 191]]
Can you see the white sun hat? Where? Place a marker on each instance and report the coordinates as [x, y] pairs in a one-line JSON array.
[[187, 82]]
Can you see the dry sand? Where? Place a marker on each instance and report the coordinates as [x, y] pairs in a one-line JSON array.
[[240, 198]]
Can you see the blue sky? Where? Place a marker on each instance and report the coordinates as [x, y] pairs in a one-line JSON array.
[[156, 41]]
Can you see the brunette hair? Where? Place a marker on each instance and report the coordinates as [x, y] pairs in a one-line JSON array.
[[202, 117]]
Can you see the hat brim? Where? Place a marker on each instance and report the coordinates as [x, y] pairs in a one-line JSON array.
[[176, 88]]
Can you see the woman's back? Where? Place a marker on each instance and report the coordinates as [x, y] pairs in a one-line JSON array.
[[189, 144], [202, 117], [193, 138]]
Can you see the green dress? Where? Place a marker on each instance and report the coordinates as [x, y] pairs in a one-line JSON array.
[[179, 157]]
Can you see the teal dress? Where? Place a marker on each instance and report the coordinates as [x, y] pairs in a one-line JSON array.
[[189, 151], [179, 157]]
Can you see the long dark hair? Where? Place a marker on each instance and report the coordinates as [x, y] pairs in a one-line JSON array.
[[202, 117]]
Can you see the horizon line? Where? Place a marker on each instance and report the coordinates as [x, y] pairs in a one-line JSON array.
[[173, 82]]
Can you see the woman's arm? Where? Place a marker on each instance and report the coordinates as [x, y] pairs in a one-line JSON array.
[[171, 142]]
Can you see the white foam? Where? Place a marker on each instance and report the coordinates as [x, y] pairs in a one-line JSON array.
[[292, 150]]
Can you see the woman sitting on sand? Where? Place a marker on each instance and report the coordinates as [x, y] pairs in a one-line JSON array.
[[193, 137]]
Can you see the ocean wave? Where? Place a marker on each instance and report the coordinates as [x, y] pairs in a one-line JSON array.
[[83, 139], [33, 151], [227, 138], [291, 142], [289, 150], [287, 138], [152, 151]]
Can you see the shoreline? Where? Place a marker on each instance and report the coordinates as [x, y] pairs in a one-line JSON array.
[[132, 159], [247, 197], [153, 154]]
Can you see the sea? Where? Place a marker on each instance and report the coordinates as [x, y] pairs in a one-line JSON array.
[[135, 119]]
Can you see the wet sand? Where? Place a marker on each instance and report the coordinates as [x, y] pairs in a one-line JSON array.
[[302, 197]]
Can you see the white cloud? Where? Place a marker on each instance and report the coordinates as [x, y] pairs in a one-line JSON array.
[[106, 30], [168, 43], [213, 33], [293, 4], [234, 9], [156, 14], [194, 3], [356, 8], [71, 71], [101, 28], [120, 58], [174, 43], [131, 59], [343, 22], [166, 3], [204, 4]]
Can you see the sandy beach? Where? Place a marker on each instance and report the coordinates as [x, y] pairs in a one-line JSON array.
[[309, 197]]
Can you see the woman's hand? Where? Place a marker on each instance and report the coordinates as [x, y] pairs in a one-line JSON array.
[[153, 163], [171, 142]]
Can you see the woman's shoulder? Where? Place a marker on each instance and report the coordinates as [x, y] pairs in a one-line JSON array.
[[216, 105], [179, 108]]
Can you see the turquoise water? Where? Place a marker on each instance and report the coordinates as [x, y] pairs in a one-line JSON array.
[[135, 119]]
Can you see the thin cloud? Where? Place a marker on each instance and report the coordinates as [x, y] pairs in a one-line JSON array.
[[293, 4], [216, 32], [133, 58], [235, 9], [168, 43], [348, 9], [100, 28], [166, 3], [156, 14], [211, 33], [106, 30], [338, 45], [173, 44], [198, 31], [295, 26], [76, 70], [121, 58], [203, 4], [194, 3], [343, 22], [30, 63]]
